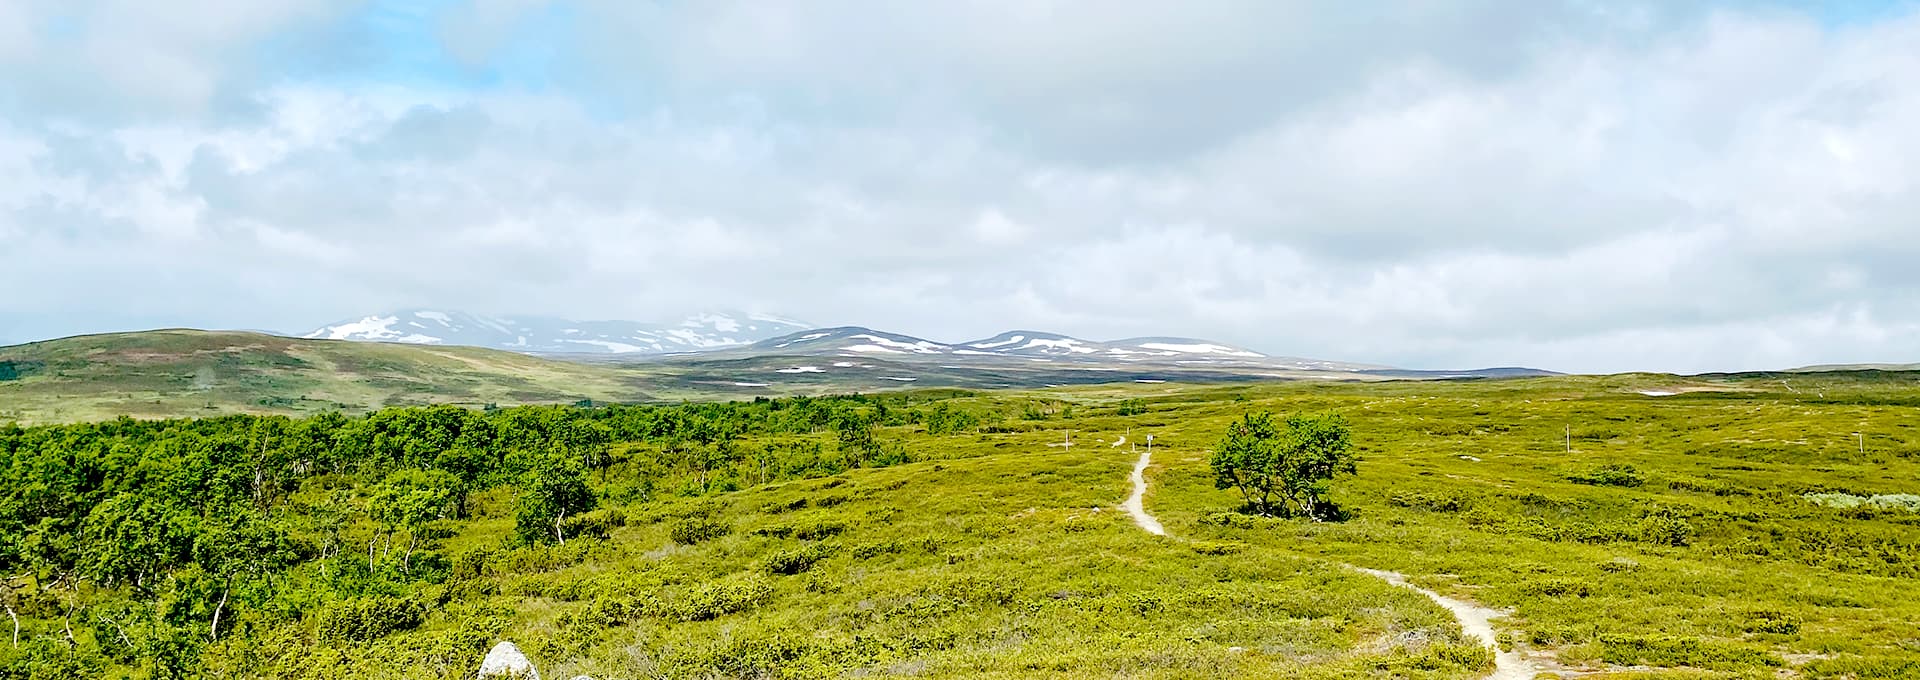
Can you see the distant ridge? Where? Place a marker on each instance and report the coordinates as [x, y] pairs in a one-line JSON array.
[[539, 334], [183, 372]]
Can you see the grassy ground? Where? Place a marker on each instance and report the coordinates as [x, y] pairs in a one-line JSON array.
[[1707, 555], [1629, 535], [1003, 563], [190, 373], [999, 556], [187, 373]]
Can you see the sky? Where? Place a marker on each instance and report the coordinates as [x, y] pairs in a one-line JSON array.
[[1580, 186]]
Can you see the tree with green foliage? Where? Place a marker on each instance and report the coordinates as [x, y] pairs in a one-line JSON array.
[[410, 500], [853, 429], [236, 547], [1284, 470], [554, 489]]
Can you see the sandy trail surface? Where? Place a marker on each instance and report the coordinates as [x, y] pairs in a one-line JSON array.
[[1136, 504], [1476, 620]]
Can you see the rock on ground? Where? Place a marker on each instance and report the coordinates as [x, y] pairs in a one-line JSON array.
[[505, 661]]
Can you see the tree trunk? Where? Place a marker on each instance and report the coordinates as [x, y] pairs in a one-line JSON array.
[[213, 632], [557, 534], [16, 625]]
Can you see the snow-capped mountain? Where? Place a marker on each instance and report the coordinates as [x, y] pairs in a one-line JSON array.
[[1030, 343], [545, 334], [853, 341], [848, 339]]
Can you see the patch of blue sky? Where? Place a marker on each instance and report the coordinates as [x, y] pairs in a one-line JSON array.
[[399, 43]]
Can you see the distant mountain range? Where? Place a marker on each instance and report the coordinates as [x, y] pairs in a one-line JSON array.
[[736, 350], [1035, 346], [763, 334], [176, 372], [553, 335]]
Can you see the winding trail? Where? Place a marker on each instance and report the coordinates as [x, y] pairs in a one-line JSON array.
[[1136, 504], [1476, 620]]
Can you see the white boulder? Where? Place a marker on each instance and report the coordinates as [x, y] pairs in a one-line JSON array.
[[505, 662]]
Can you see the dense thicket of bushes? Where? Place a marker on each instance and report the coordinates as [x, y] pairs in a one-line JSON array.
[[141, 542]]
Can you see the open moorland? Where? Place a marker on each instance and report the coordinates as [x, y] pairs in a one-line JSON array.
[[1625, 526], [194, 373]]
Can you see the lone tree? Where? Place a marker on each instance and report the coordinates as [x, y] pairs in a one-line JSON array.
[[552, 490], [1284, 471]]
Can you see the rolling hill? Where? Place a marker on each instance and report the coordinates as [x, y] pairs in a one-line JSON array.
[[553, 335], [177, 372], [192, 372]]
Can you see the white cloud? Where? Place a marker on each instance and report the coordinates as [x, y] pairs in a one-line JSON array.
[[1629, 190]]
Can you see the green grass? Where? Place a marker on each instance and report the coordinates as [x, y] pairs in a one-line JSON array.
[[1003, 557], [188, 373], [1000, 566], [1676, 536]]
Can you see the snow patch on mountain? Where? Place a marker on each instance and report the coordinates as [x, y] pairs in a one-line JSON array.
[[920, 347], [1198, 348], [710, 330], [998, 343]]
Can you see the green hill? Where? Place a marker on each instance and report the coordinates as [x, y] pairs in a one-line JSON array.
[[171, 373]]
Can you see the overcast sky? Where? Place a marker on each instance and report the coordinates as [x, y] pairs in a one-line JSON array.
[[1587, 186]]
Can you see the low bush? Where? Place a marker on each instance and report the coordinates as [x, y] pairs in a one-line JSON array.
[[1433, 502], [1217, 547], [1772, 621], [796, 560], [713, 600], [368, 618], [1664, 530], [1673, 650], [1609, 475], [1557, 587], [697, 529], [807, 531]]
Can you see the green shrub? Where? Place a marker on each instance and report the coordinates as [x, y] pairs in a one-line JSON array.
[[1557, 587], [777, 507], [816, 530], [472, 563], [1218, 547], [1232, 520], [796, 560], [697, 529], [1902, 667], [1446, 428], [1434, 502], [369, 618], [1899, 501], [594, 523], [807, 531], [1664, 530], [1673, 650], [1609, 475], [712, 600], [1771, 621]]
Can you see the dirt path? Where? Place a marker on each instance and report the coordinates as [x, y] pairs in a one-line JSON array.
[[1136, 504], [1476, 620]]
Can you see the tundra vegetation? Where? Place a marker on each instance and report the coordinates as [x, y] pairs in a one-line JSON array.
[[1739, 532]]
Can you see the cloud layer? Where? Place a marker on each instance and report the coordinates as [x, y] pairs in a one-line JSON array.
[[1566, 186]]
